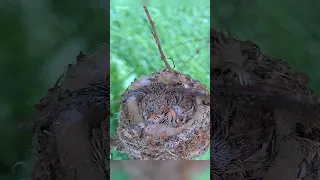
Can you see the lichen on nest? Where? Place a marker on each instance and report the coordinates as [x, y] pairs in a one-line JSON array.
[[164, 116]]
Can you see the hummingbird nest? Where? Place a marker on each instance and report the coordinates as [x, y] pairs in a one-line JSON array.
[[265, 119], [71, 127], [165, 115]]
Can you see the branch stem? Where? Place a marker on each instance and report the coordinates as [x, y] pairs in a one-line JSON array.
[[154, 32]]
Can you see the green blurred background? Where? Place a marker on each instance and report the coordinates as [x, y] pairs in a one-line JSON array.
[[38, 40], [160, 3], [184, 33]]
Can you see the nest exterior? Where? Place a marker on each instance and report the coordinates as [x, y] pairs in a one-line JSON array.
[[70, 130], [165, 115], [267, 129]]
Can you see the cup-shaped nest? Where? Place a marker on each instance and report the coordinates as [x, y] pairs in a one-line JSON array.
[[165, 115]]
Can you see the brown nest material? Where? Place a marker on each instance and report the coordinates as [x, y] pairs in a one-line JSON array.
[[71, 126], [265, 121], [164, 116]]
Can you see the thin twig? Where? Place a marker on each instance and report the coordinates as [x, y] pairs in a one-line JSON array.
[[172, 62], [154, 32]]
